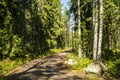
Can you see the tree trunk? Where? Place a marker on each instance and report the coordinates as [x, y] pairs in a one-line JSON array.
[[66, 36], [79, 31], [95, 25], [72, 37], [100, 30]]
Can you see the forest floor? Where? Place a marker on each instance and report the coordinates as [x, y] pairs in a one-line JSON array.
[[48, 68]]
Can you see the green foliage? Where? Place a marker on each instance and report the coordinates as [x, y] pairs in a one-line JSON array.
[[86, 26], [29, 28], [113, 61], [114, 68], [9, 65], [81, 62], [4, 42], [111, 54], [111, 24], [16, 47], [0, 70]]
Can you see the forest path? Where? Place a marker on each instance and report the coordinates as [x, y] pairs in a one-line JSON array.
[[48, 68]]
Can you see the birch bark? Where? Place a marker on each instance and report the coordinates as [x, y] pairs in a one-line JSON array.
[[95, 26], [79, 31], [100, 30]]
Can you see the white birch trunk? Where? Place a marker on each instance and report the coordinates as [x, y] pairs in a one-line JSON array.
[[95, 25], [79, 31], [100, 30]]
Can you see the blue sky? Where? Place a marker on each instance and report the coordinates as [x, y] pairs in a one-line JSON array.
[[64, 2]]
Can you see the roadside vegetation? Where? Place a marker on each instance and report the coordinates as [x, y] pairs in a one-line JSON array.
[[113, 65]]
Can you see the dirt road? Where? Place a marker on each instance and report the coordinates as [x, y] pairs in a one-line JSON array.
[[48, 68]]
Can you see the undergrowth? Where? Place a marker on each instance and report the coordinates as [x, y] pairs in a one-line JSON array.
[[113, 69], [81, 62], [112, 57]]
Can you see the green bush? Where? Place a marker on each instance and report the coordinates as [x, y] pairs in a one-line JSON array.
[[114, 68], [113, 60]]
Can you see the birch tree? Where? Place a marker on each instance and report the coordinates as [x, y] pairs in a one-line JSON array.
[[79, 31], [100, 29], [95, 26]]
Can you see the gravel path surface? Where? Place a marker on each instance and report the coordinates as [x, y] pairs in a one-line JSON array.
[[48, 68]]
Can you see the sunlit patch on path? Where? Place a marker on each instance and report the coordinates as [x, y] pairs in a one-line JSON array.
[[48, 68]]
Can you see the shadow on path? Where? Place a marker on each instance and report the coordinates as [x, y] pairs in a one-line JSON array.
[[48, 68]]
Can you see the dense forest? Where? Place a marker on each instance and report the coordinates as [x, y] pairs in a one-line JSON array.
[[96, 32], [29, 28]]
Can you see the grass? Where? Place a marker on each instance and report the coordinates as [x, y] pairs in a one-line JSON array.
[[10, 64], [93, 77], [59, 50], [81, 62]]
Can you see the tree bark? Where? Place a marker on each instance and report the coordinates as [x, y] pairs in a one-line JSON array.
[[95, 25], [79, 31], [100, 30]]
